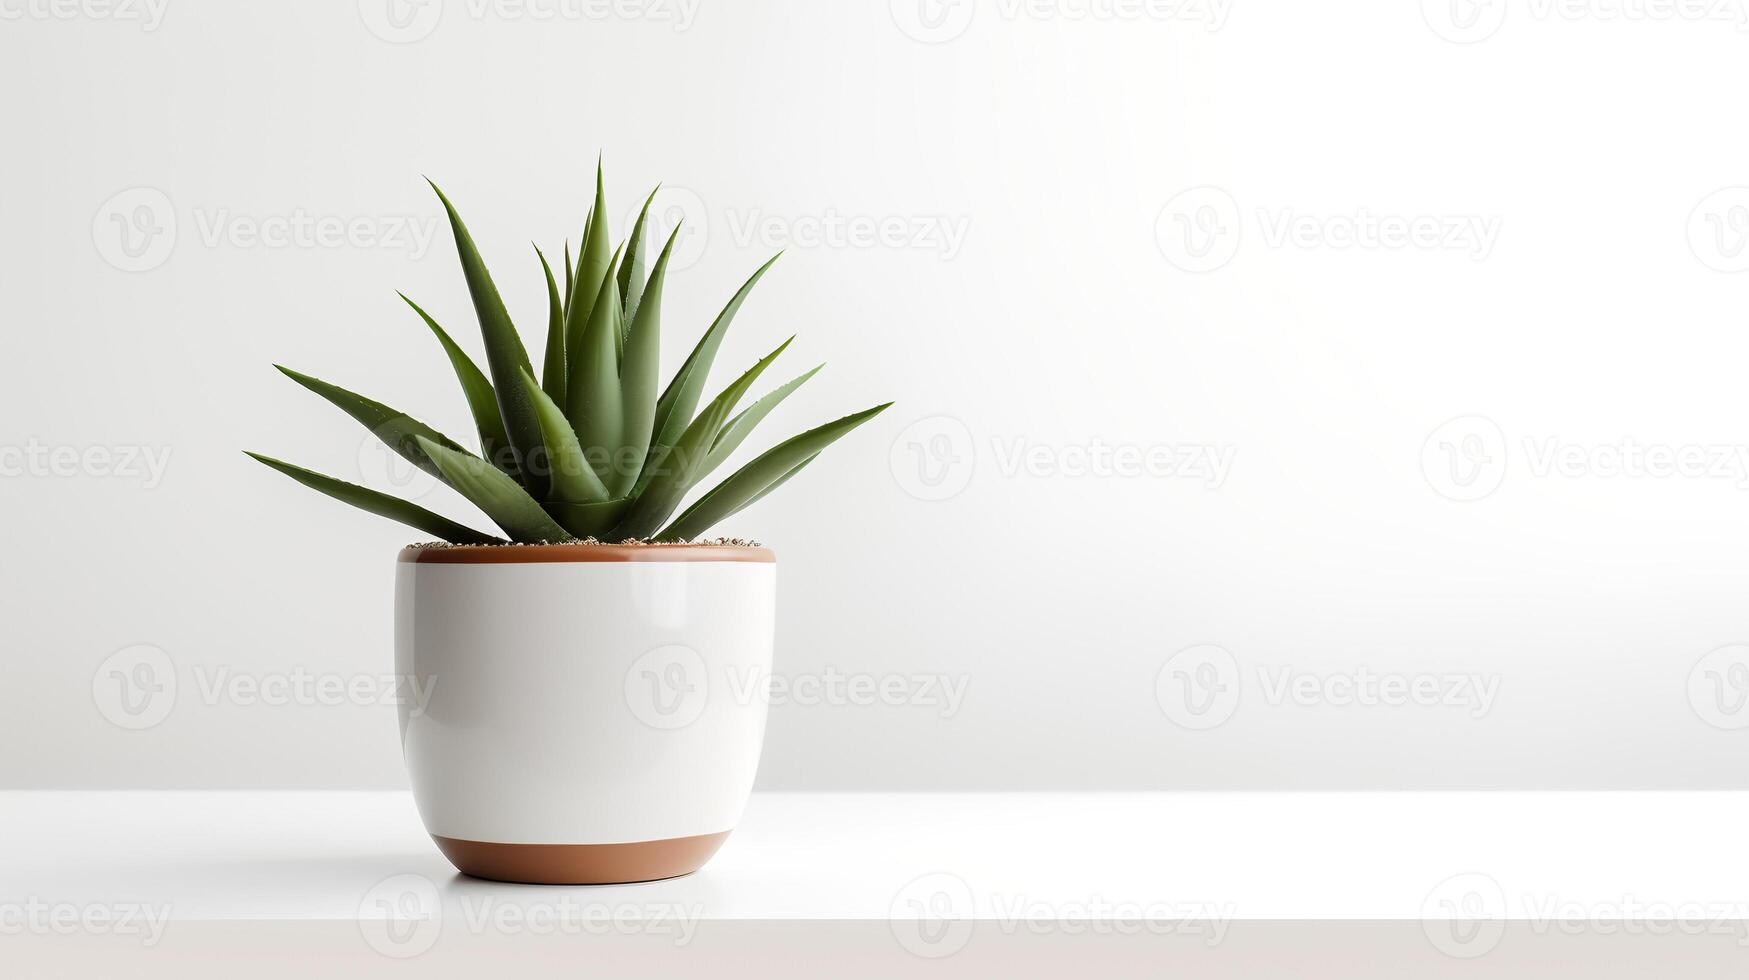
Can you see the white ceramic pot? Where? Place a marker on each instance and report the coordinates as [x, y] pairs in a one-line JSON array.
[[583, 713]]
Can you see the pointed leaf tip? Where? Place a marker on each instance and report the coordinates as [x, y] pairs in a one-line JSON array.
[[381, 504], [764, 474]]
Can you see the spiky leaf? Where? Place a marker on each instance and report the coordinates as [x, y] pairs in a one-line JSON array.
[[780, 481], [553, 365], [570, 277], [505, 355], [751, 501], [631, 268], [594, 262], [676, 470], [380, 504], [763, 474], [674, 410], [398, 430], [482, 403], [640, 376], [502, 498], [567, 470], [594, 405], [741, 426]]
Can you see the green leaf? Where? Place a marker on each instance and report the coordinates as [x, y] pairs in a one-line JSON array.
[[553, 368], [594, 406], [567, 470], [674, 411], [593, 264], [381, 504], [741, 426], [503, 500], [761, 476], [589, 520], [570, 277], [631, 268], [505, 355], [640, 375], [610, 294], [780, 481], [398, 430], [482, 403], [675, 471]]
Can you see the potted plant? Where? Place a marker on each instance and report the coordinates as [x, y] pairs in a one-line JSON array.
[[579, 728]]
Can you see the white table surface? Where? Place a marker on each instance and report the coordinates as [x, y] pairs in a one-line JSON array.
[[318, 855]]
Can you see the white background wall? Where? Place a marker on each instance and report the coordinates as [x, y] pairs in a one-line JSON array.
[[1159, 249]]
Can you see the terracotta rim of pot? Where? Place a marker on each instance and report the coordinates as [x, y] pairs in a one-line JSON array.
[[500, 554]]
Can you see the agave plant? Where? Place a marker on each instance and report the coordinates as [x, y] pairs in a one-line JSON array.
[[594, 449]]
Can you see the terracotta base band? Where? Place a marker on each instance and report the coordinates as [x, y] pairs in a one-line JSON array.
[[581, 864]]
